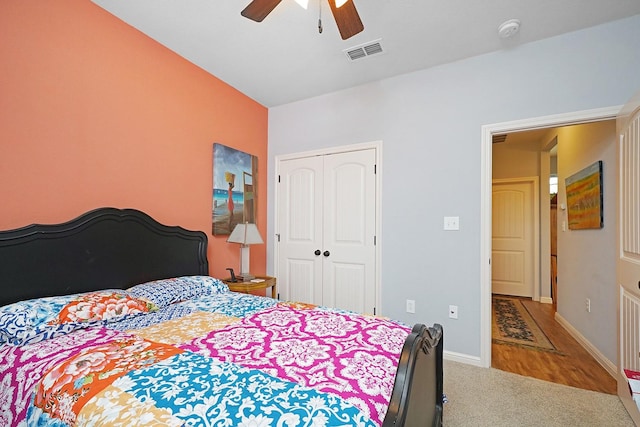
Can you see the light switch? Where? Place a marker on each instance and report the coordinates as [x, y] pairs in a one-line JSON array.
[[452, 223]]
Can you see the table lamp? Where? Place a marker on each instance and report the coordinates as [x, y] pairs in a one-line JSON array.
[[246, 234]]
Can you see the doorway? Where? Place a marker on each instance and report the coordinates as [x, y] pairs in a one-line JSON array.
[[579, 146], [488, 132]]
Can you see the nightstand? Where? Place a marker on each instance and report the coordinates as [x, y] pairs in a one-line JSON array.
[[247, 287]]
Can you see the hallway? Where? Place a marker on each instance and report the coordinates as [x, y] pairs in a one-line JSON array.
[[572, 365]]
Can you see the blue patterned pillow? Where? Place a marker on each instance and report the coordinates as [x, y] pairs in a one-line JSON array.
[[168, 291], [42, 318]]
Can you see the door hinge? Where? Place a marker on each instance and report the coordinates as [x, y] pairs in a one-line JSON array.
[[375, 169], [374, 311], [278, 178], [278, 236], [374, 240]]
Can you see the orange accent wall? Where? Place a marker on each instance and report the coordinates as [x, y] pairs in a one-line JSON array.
[[94, 113]]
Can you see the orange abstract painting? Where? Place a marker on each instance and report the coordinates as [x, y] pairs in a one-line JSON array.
[[584, 198]]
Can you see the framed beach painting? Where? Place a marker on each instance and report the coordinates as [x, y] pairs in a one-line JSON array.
[[234, 188], [584, 198]]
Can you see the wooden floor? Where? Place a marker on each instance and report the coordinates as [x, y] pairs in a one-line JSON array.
[[574, 367]]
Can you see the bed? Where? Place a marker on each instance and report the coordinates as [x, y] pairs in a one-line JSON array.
[[112, 319]]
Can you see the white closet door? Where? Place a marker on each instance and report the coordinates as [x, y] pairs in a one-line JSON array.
[[327, 223], [349, 231], [300, 225]]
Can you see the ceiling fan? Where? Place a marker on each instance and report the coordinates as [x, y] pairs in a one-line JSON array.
[[344, 13]]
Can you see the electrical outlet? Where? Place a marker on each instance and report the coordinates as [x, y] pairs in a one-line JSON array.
[[411, 306], [452, 223], [453, 311], [588, 305]]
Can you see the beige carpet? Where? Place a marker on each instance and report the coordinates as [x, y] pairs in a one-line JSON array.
[[490, 397]]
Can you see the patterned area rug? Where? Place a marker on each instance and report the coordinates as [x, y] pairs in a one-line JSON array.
[[512, 324]]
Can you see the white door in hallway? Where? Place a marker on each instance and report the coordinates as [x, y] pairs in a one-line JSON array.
[[513, 237], [628, 262], [327, 223]]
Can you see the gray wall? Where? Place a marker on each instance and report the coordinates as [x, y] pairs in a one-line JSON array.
[[430, 124]]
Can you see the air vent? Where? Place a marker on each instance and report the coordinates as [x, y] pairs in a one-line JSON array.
[[362, 51], [497, 139]]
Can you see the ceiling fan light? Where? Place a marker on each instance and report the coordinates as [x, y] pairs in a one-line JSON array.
[[340, 2], [303, 3]]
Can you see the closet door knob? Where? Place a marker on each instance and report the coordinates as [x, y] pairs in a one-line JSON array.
[[317, 252], [326, 253]]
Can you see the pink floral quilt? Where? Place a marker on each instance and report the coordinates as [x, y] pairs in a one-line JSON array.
[[221, 359]]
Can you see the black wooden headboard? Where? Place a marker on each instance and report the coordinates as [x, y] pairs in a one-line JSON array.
[[104, 248]]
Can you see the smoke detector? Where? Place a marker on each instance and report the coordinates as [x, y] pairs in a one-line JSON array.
[[508, 28]]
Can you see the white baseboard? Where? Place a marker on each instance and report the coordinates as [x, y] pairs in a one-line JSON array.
[[462, 358], [546, 300], [600, 358]]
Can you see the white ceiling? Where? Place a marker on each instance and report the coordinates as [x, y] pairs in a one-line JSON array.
[[285, 59]]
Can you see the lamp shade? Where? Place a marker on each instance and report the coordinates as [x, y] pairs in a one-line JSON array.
[[245, 234]]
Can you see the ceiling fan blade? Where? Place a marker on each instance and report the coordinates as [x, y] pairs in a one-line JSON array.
[[347, 19], [257, 10]]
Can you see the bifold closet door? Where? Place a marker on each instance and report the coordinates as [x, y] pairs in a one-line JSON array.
[[300, 217], [349, 231], [327, 230]]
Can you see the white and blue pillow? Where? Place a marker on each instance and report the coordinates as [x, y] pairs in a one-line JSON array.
[[169, 291], [38, 319]]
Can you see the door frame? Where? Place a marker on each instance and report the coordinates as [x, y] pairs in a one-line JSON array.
[[377, 146], [486, 168], [535, 202]]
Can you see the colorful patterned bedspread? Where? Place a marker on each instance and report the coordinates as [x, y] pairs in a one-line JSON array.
[[214, 358]]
